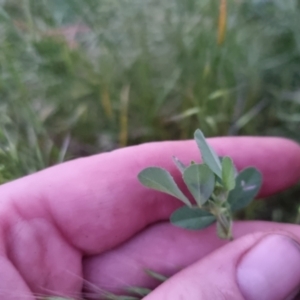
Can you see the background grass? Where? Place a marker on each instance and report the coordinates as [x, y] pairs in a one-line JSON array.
[[82, 77]]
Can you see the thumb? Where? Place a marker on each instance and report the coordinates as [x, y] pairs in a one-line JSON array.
[[260, 266]]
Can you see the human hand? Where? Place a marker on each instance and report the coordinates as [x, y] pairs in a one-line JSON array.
[[84, 223]]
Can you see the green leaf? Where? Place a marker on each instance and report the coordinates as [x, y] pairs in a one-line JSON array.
[[228, 173], [191, 218], [181, 167], [161, 180], [115, 297], [235, 169], [4, 15], [57, 298], [156, 276], [139, 291], [200, 181], [209, 156], [248, 184]]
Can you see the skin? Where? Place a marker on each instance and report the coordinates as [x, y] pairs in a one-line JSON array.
[[90, 225]]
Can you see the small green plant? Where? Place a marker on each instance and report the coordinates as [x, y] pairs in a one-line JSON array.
[[216, 186], [218, 190]]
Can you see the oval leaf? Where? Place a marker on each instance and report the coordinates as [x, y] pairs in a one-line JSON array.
[[161, 180], [228, 173], [248, 184], [200, 181], [191, 218], [209, 156]]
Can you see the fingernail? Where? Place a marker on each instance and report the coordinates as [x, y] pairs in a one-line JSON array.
[[270, 270]]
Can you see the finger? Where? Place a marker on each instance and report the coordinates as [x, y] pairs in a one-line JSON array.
[[97, 202], [164, 249], [12, 286], [257, 266]]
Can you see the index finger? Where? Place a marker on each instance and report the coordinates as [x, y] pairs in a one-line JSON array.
[[97, 202]]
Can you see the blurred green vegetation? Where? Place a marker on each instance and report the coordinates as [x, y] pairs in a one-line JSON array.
[[82, 77]]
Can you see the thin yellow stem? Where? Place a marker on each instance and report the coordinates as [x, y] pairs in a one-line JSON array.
[[124, 115], [222, 21], [106, 103]]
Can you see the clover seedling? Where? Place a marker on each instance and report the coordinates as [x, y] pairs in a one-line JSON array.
[[216, 186], [218, 191]]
